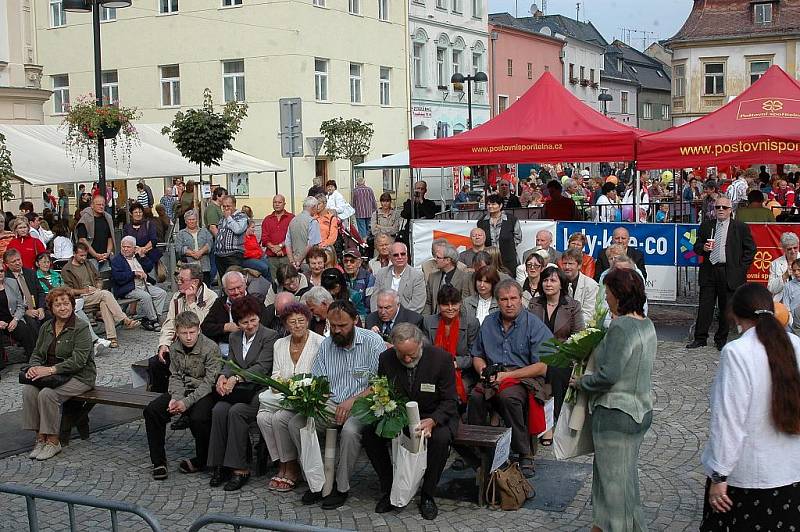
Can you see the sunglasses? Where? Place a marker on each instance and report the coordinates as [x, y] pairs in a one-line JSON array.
[[398, 254], [721, 207]]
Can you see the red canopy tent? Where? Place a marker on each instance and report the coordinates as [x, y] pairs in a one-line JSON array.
[[762, 124], [547, 125]]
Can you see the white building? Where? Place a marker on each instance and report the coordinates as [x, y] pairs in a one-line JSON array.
[[447, 36], [343, 58]]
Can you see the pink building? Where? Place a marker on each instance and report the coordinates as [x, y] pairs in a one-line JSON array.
[[517, 57]]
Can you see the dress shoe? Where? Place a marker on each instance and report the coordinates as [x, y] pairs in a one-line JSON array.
[[384, 505], [427, 508], [695, 344], [236, 482], [334, 500], [311, 497], [182, 423], [218, 477]]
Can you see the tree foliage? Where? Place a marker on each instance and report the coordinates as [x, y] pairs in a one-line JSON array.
[[6, 171], [346, 139], [203, 135]]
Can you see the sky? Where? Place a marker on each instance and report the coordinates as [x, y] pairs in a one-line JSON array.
[[663, 17]]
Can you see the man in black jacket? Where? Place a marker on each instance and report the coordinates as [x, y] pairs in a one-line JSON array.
[[423, 374], [727, 248], [419, 206], [622, 237], [390, 313]]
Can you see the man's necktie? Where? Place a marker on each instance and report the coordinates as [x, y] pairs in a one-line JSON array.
[[387, 327]]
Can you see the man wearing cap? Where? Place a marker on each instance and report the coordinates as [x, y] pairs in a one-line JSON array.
[[360, 281]]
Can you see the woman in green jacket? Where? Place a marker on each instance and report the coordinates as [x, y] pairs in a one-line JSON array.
[[64, 347], [621, 402]]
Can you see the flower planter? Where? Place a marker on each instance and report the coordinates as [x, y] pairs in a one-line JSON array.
[[109, 132]]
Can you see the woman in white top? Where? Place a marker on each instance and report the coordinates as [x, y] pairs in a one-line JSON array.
[[607, 204], [752, 457], [483, 302], [336, 202], [62, 244], [293, 355]]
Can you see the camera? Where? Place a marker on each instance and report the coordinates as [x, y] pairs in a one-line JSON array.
[[490, 371]]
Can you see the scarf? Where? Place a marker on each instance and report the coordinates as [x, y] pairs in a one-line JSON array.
[[449, 343], [536, 418]]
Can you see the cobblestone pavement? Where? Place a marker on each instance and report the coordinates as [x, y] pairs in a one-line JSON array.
[[115, 465]]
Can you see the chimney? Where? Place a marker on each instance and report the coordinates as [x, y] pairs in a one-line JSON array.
[[538, 15]]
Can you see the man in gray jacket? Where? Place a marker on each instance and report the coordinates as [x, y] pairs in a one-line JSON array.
[[401, 277], [303, 233], [229, 244]]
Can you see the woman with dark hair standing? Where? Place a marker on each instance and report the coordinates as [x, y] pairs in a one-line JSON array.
[[752, 457], [503, 231], [621, 402]]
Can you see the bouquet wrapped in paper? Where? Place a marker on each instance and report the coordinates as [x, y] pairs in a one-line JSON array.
[[383, 407]]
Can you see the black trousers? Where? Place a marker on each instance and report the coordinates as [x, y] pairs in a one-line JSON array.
[[25, 334], [512, 405], [559, 381], [713, 293], [223, 263], [158, 374], [378, 450], [156, 418]]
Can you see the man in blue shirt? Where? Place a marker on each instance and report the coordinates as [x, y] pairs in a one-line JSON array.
[[511, 337]]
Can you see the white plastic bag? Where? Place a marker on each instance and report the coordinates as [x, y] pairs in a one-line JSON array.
[[569, 442], [409, 469], [311, 457]]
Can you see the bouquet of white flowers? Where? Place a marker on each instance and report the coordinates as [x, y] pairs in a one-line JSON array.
[[383, 408]]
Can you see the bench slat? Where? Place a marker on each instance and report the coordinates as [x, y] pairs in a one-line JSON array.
[[479, 436], [132, 398]]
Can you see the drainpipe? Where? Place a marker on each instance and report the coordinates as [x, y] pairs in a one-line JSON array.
[[494, 36]]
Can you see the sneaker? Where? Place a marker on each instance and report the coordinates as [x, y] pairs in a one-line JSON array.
[[48, 451], [36, 450], [96, 349], [104, 342]]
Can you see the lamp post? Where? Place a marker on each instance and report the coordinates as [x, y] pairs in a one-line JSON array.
[[94, 7], [605, 97], [478, 77]]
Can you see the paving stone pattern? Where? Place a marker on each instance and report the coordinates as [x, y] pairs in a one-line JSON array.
[[114, 464]]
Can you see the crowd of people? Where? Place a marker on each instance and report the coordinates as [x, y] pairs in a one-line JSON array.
[[461, 335]]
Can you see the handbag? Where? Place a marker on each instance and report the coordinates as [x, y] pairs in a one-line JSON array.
[[51, 381], [243, 392], [508, 489]]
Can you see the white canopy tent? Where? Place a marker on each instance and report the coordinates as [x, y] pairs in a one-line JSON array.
[[40, 158], [398, 160]]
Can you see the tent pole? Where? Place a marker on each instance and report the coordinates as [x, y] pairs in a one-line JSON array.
[[637, 187]]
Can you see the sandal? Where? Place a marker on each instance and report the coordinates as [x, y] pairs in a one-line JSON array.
[[160, 472], [188, 466], [114, 344], [274, 482], [285, 485], [545, 442], [131, 324]]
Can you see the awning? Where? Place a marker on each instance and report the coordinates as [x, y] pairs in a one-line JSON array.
[[761, 125], [39, 157], [398, 160], [548, 124]]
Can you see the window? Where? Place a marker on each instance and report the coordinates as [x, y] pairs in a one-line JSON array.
[[231, 3], [385, 87], [583, 73], [647, 111], [679, 80], [660, 75], [107, 14], [502, 104], [383, 10], [110, 81], [591, 75], [665, 112], [477, 66], [623, 102], [510, 68], [417, 64], [233, 80], [633, 68], [170, 86], [757, 69], [354, 6], [456, 61], [321, 80], [318, 3], [763, 14], [168, 6], [477, 8], [60, 93], [457, 6], [441, 4], [58, 17], [715, 79], [530, 70], [355, 82], [571, 71], [441, 67]]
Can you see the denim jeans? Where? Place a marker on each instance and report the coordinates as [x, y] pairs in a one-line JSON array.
[[363, 227]]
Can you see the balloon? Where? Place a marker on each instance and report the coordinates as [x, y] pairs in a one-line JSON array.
[[467, 171], [666, 176]]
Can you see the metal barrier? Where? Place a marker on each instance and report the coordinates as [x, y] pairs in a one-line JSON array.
[[258, 524], [31, 494]]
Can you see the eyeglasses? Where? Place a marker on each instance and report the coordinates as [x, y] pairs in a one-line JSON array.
[[398, 254], [535, 266], [296, 321], [721, 207]]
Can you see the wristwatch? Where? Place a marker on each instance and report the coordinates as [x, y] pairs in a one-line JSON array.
[[716, 478]]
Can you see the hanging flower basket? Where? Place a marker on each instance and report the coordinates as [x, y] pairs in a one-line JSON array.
[[86, 123]]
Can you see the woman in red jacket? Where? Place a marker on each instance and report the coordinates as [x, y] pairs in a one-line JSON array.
[[253, 257], [29, 247]]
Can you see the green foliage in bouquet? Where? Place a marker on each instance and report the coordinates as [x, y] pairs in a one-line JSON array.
[[383, 408]]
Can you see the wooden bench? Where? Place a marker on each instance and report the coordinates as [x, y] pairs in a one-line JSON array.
[[76, 410], [478, 443]]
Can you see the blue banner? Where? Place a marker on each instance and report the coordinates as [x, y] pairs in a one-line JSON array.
[[656, 241], [686, 235]]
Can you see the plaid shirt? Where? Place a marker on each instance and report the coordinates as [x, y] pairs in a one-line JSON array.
[[364, 201], [230, 238], [169, 205]]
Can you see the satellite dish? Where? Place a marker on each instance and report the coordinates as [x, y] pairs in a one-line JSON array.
[[534, 8]]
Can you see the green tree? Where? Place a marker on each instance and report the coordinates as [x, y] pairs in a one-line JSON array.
[[6, 173], [347, 139]]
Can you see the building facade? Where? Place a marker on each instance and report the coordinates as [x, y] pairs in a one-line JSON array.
[[21, 94], [618, 82], [726, 45], [446, 36], [517, 58], [159, 59]]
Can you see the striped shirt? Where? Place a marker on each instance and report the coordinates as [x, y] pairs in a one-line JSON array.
[[230, 238], [364, 201], [349, 369]]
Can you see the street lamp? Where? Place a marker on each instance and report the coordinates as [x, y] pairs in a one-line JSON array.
[[479, 77], [605, 97], [94, 7]]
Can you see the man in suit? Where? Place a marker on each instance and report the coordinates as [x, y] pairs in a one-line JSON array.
[[727, 248], [582, 288], [622, 237], [447, 274], [403, 279], [423, 374], [390, 313], [29, 286], [430, 266]]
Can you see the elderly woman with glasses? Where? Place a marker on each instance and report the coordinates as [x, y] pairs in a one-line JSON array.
[[294, 355], [144, 232], [780, 270], [193, 244]]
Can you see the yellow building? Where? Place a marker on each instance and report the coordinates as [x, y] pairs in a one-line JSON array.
[[343, 58]]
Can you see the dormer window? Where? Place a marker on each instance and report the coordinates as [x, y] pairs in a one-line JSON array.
[[762, 14], [619, 65]]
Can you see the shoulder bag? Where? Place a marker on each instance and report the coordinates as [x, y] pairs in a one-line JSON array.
[[508, 489], [51, 381]]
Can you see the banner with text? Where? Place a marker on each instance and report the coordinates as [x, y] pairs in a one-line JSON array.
[[424, 232]]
